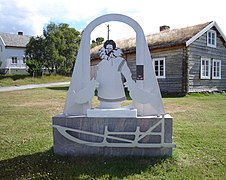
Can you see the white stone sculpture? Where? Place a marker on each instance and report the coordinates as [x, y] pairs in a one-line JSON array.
[[141, 130], [144, 92], [110, 88]]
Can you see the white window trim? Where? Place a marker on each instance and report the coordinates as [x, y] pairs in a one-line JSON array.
[[215, 40], [201, 75], [216, 77], [164, 67]]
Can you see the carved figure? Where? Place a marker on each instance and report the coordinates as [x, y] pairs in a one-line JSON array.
[[110, 86]]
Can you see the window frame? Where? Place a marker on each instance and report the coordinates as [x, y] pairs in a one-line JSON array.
[[201, 68], [159, 67], [14, 60], [219, 70], [210, 37], [24, 60]]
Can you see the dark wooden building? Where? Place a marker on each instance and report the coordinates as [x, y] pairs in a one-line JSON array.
[[191, 59]]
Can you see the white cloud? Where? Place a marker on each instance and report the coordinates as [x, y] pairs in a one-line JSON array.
[[16, 16], [31, 16]]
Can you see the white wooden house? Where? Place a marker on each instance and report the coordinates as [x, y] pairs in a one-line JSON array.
[[12, 53]]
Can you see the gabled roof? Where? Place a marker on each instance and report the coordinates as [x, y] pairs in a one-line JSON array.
[[168, 38], [14, 40], [175, 37], [204, 30]]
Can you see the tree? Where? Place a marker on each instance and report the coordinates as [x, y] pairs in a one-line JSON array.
[[35, 54], [99, 41], [55, 50], [62, 45]]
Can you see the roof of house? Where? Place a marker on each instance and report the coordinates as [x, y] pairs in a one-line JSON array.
[[14, 40], [174, 37], [168, 38], [165, 38]]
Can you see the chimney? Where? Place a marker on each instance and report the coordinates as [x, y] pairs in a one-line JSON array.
[[20, 33], [164, 28]]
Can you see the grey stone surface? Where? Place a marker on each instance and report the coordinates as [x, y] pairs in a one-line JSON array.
[[64, 146]]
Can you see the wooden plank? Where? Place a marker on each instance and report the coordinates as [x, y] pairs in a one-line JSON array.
[[197, 50]]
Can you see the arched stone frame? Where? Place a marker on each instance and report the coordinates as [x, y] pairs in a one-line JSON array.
[[81, 72], [140, 37]]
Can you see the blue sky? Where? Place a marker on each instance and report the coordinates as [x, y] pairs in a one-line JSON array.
[[30, 16]]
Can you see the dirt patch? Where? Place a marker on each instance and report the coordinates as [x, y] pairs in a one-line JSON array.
[[173, 108]]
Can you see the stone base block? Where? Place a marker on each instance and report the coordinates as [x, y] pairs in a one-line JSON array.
[[138, 136], [119, 112]]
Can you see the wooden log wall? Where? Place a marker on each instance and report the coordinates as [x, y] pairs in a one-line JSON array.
[[196, 51], [173, 82]]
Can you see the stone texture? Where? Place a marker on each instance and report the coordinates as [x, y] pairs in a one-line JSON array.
[[64, 146]]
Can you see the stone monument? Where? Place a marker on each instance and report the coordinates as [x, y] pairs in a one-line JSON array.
[[142, 129]]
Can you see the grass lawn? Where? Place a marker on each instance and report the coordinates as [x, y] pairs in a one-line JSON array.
[[17, 80], [199, 131]]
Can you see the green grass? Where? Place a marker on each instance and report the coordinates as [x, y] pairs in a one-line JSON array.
[[17, 80], [199, 131]]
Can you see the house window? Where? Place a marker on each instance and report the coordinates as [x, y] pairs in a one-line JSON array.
[[211, 38], [159, 65], [216, 69], [14, 60], [205, 68], [24, 60]]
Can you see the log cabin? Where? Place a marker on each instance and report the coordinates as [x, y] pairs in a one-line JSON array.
[[190, 59]]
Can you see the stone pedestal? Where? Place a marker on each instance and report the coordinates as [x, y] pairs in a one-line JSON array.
[[116, 113], [138, 136]]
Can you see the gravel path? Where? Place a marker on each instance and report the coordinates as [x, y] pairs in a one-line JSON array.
[[31, 86]]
